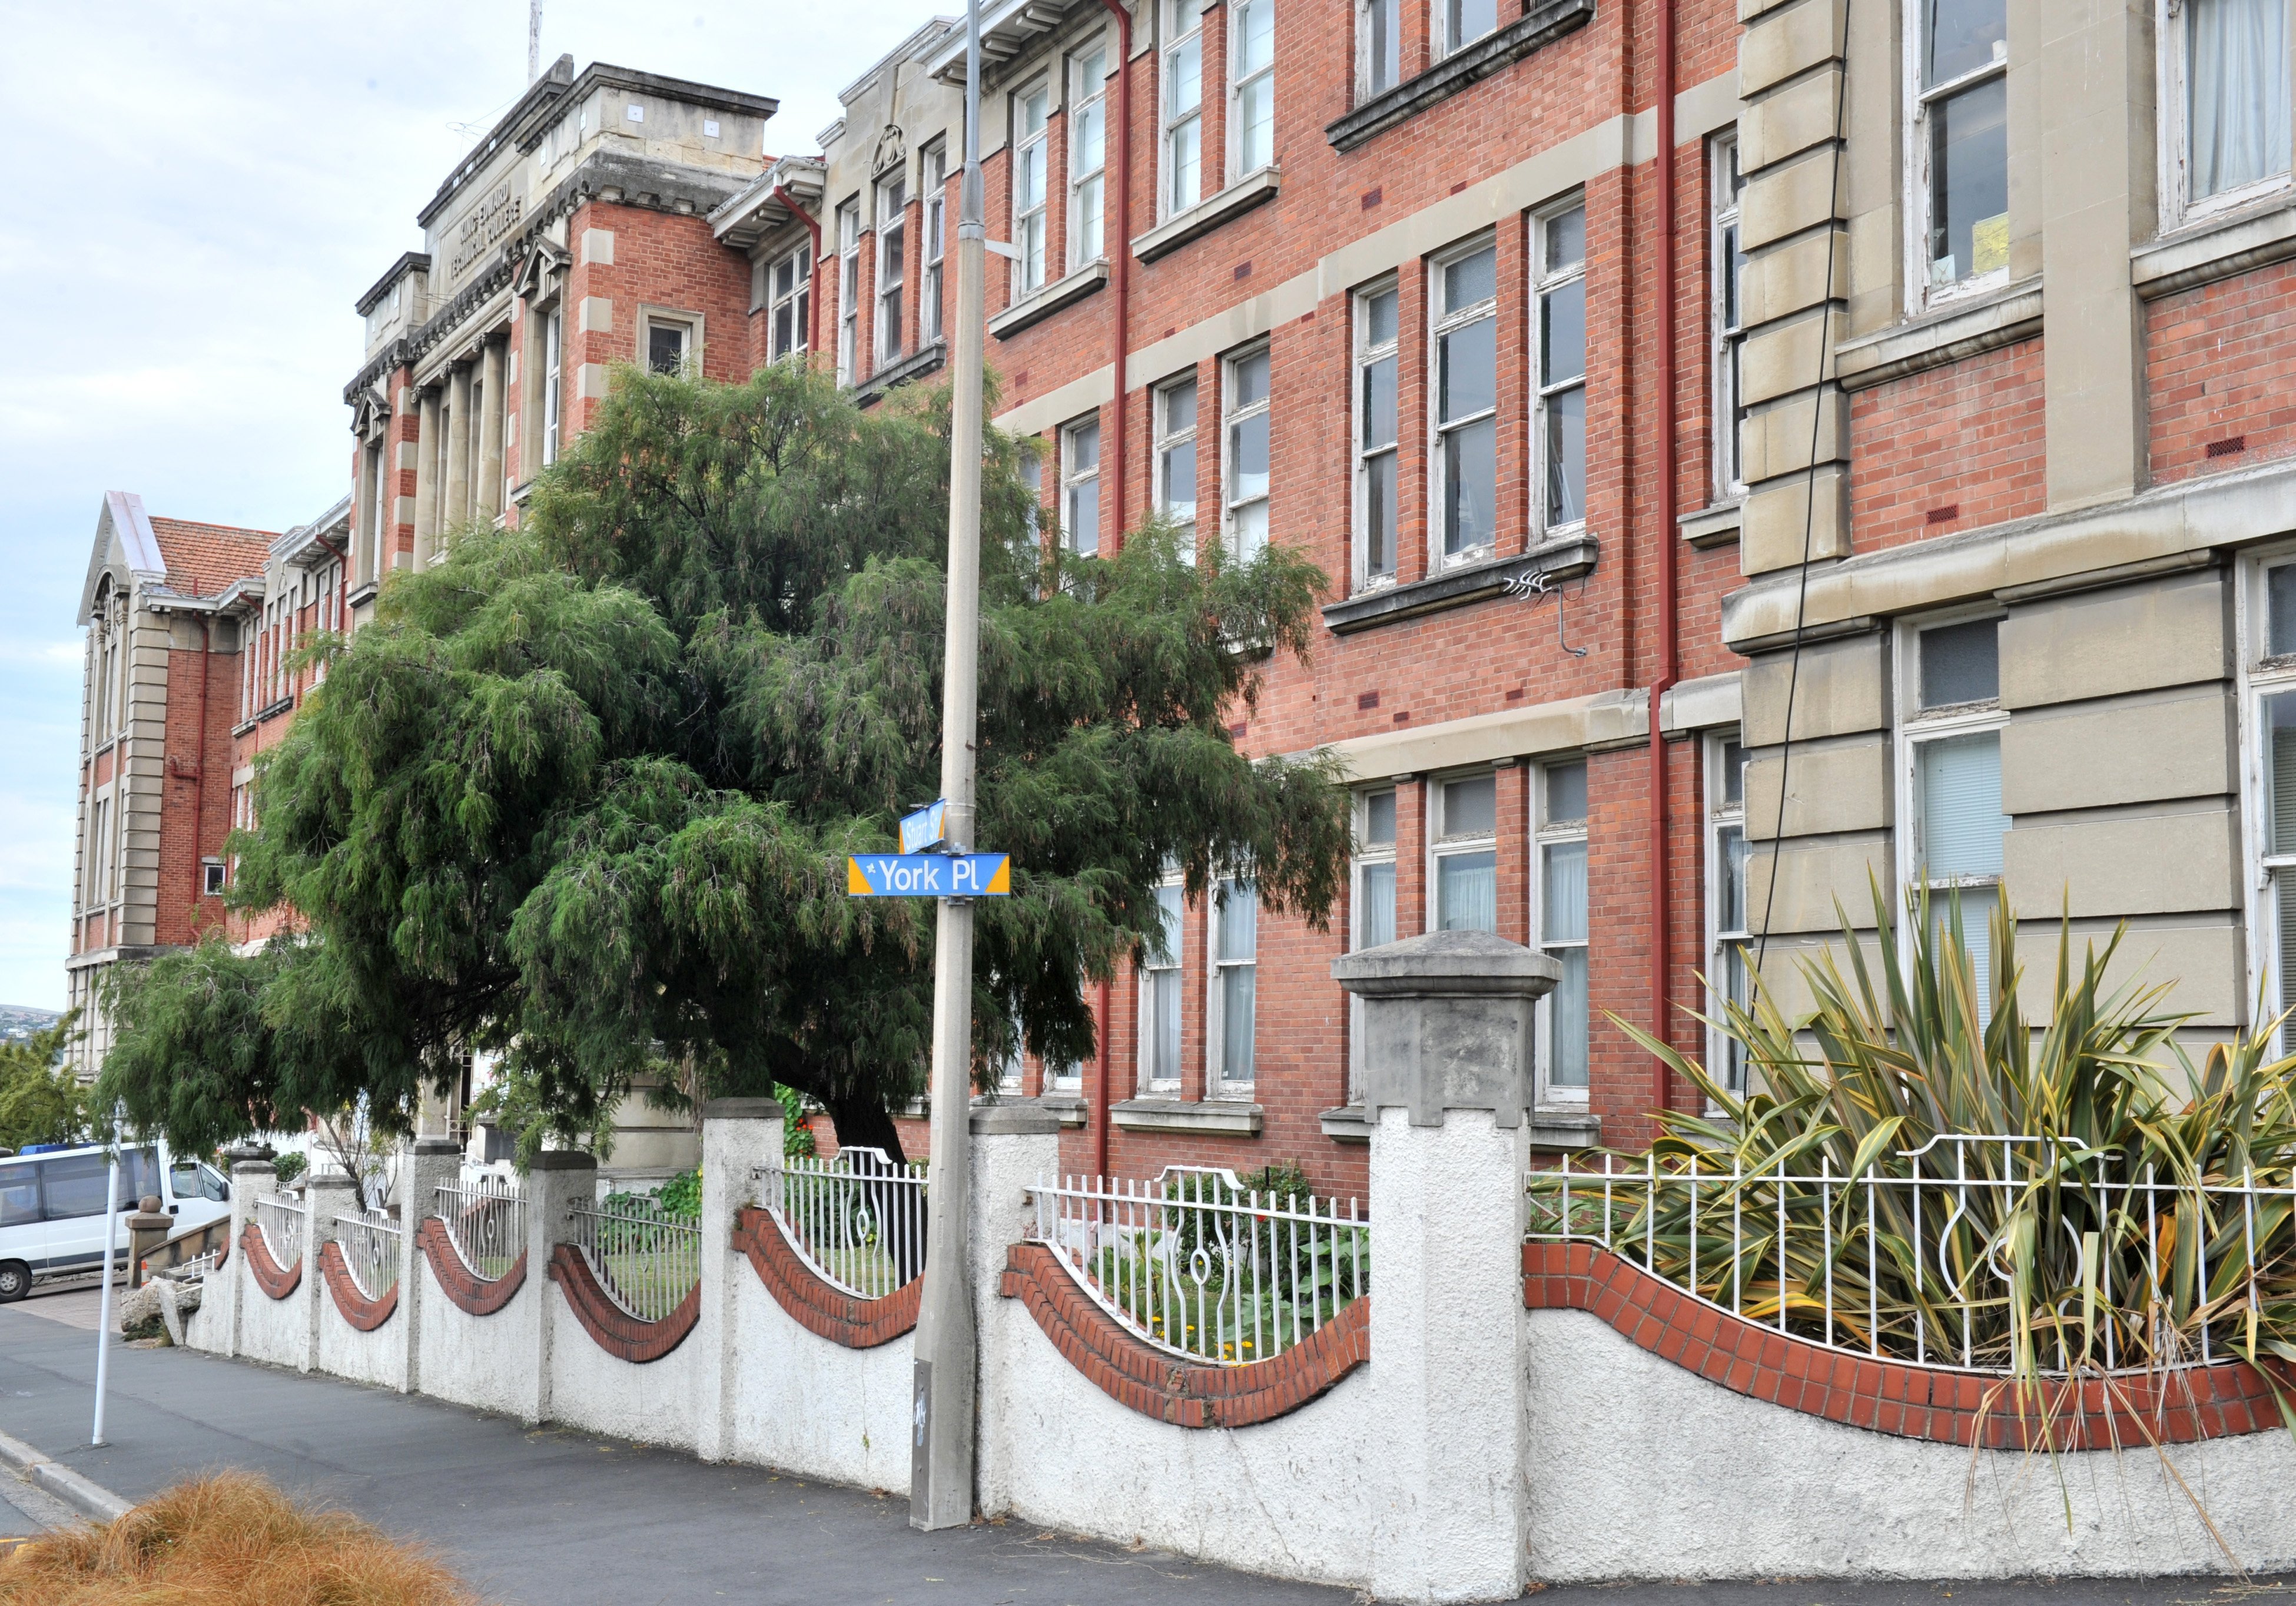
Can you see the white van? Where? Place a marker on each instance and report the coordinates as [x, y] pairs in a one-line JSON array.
[[51, 1205]]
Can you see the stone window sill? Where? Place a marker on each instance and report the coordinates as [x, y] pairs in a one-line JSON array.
[[1221, 1118], [2200, 253], [1253, 189], [362, 593], [1556, 561], [2009, 314], [1539, 25], [1056, 296], [1567, 1127], [260, 715], [913, 366], [1714, 526], [1349, 1123], [1068, 1106]]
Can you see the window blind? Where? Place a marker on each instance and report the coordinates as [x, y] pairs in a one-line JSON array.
[[1961, 821]]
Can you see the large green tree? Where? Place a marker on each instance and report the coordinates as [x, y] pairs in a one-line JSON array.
[[582, 793]]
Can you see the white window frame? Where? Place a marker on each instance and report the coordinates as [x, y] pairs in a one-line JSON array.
[[1088, 186], [1725, 259], [688, 325], [891, 291], [934, 183], [1372, 18], [849, 290], [1177, 126], [1233, 499], [1546, 282], [1725, 938], [1031, 224], [1442, 843], [1147, 1039], [1217, 1083], [797, 301], [1545, 833], [1439, 25], [215, 872], [1074, 480], [1920, 293], [1362, 453], [1917, 729], [1169, 439], [2260, 677], [1442, 320], [2172, 31], [1241, 83], [1369, 855]]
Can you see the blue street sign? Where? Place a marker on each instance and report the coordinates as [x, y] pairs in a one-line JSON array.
[[926, 830], [928, 875]]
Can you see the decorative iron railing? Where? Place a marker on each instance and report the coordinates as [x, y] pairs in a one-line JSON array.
[[858, 1220], [1197, 1263], [1983, 1253], [280, 1220], [369, 1242], [647, 1262], [486, 1222]]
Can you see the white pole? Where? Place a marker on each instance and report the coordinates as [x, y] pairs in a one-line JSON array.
[[940, 1461], [103, 1302]]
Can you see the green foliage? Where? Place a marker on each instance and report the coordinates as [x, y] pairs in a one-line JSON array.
[[2042, 1271], [580, 793], [680, 1197], [797, 1137], [289, 1166], [41, 1100]]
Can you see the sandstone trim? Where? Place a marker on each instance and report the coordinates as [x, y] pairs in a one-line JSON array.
[[1158, 1384]]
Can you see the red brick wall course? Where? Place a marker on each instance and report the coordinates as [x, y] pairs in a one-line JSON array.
[[1954, 448], [2220, 362], [614, 1330], [834, 1314]]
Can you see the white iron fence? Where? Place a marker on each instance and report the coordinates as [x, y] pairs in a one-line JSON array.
[[858, 1220], [369, 1242], [647, 1262], [486, 1222], [280, 1220], [1969, 1252], [1197, 1263]]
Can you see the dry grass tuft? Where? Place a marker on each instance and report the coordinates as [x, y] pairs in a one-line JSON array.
[[231, 1540]]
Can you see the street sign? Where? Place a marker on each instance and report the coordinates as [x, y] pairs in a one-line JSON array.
[[927, 830], [928, 875]]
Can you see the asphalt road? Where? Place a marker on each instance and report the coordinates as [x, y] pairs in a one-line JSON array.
[[552, 1517]]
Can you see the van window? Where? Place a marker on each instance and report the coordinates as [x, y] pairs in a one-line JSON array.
[[214, 1185], [190, 1180], [20, 1195], [75, 1185]]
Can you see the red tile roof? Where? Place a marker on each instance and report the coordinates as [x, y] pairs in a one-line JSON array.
[[204, 559]]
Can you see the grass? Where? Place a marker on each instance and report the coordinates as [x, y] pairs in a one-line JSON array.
[[229, 1540]]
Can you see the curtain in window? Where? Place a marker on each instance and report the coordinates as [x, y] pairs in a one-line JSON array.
[[1467, 891], [1378, 923], [1566, 1063], [2236, 88]]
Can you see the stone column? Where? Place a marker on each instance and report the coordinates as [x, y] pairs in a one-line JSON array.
[[424, 1166], [558, 1180], [327, 1195], [738, 1135], [1448, 1076], [250, 1178], [426, 479], [455, 506], [495, 395], [1015, 1145]]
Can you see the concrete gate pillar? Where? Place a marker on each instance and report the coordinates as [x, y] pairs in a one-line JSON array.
[[1015, 1145], [425, 1165], [326, 1194], [738, 1136], [558, 1180], [1448, 1076], [250, 1178]]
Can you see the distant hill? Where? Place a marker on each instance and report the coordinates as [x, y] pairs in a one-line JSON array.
[[19, 1021]]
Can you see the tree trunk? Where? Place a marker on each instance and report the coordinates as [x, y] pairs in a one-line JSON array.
[[866, 1124]]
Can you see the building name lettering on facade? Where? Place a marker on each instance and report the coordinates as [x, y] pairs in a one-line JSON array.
[[486, 222]]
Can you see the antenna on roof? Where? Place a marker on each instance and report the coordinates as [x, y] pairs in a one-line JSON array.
[[533, 40]]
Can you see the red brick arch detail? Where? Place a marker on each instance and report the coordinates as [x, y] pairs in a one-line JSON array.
[[615, 1330], [1156, 1383], [816, 1305], [469, 1291], [274, 1280], [1937, 1404], [365, 1314]]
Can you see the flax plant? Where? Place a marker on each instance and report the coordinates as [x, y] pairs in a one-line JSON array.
[[2138, 1218]]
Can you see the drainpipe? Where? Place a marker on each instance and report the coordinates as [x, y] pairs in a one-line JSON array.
[[1120, 273], [199, 771], [813, 299], [1669, 656]]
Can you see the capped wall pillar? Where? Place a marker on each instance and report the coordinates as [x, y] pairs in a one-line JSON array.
[[251, 1177], [1015, 1145], [1447, 1079], [327, 1195], [558, 1180], [425, 1165], [738, 1137]]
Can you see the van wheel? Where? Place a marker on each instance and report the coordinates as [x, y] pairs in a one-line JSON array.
[[15, 1281]]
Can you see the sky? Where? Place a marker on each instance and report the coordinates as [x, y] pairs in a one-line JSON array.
[[200, 193]]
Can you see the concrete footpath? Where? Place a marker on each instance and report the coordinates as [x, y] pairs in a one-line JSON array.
[[556, 1518]]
